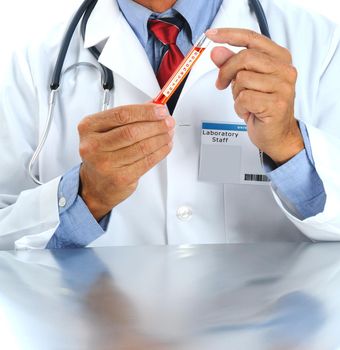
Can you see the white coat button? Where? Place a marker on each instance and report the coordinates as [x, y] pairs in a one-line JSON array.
[[184, 213], [62, 202]]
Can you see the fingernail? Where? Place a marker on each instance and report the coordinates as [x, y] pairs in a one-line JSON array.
[[212, 31], [218, 86], [161, 112], [170, 122]]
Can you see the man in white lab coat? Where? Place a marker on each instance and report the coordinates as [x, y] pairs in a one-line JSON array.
[[142, 180]]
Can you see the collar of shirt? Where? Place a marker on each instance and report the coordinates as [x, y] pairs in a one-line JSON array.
[[198, 13]]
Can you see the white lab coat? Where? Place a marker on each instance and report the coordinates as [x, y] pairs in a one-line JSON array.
[[222, 213]]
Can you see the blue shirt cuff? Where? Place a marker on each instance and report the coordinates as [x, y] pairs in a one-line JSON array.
[[77, 228], [297, 182]]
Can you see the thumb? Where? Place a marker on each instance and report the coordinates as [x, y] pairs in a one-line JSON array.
[[220, 55]]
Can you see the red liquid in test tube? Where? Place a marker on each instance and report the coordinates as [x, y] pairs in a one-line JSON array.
[[182, 71]]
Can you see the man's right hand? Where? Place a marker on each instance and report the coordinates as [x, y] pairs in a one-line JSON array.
[[117, 147]]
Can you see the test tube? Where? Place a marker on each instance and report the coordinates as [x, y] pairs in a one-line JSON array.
[[182, 71]]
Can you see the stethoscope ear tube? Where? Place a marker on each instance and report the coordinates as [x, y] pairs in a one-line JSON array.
[[55, 81], [51, 104], [255, 6]]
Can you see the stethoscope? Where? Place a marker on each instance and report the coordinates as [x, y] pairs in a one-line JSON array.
[[82, 16]]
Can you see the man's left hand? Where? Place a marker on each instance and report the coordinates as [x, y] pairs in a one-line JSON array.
[[263, 83]]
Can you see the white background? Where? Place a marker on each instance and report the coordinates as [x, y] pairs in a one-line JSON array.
[[22, 20]]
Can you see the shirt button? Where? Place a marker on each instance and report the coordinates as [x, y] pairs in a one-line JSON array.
[[184, 213], [62, 202]]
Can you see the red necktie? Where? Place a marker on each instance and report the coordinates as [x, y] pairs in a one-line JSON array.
[[167, 33]]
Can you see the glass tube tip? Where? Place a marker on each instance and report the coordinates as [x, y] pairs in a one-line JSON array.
[[203, 42]]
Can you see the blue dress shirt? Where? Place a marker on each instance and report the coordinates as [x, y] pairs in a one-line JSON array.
[[296, 182]]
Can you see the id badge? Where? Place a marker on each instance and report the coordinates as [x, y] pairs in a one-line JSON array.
[[228, 155]]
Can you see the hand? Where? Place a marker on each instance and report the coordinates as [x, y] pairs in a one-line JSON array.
[[117, 147], [263, 83]]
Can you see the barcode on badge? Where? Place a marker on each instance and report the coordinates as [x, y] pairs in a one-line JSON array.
[[257, 178]]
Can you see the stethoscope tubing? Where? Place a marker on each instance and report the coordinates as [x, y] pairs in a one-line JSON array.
[[255, 6], [56, 76]]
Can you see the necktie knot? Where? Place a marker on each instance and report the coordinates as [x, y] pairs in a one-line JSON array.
[[166, 31]]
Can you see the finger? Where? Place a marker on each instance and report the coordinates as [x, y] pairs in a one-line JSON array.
[[220, 55], [253, 102], [251, 40], [250, 60], [246, 80], [124, 115], [140, 150], [138, 169], [131, 134]]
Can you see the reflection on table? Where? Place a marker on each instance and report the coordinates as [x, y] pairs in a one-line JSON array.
[[259, 296]]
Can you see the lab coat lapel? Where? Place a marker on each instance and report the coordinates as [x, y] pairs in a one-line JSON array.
[[125, 56], [101, 22], [122, 53], [232, 14]]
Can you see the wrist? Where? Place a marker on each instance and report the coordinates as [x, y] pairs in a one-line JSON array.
[[291, 145], [97, 209], [93, 202]]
